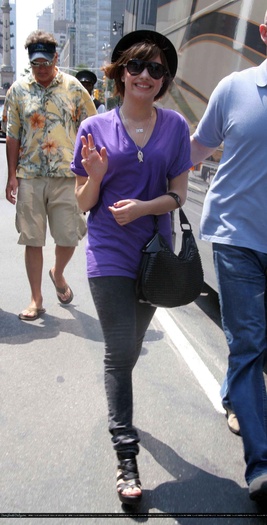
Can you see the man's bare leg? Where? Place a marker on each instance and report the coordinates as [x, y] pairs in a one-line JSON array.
[[34, 268], [63, 254]]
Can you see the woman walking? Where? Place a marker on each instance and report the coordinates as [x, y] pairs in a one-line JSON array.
[[126, 162]]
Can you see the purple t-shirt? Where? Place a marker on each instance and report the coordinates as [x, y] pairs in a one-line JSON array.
[[116, 250]]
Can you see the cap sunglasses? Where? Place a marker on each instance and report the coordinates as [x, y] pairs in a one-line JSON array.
[[41, 64], [135, 66]]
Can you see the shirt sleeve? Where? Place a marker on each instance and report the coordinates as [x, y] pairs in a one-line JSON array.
[[180, 149], [76, 164], [211, 128], [4, 116], [11, 118], [101, 109]]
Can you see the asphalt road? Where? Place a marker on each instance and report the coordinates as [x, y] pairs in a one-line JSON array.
[[55, 450]]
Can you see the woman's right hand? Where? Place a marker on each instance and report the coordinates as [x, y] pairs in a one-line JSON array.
[[94, 163]]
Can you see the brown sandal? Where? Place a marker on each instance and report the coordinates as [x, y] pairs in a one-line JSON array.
[[62, 291], [128, 477], [31, 313]]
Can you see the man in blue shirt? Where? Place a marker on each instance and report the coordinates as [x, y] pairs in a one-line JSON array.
[[234, 220]]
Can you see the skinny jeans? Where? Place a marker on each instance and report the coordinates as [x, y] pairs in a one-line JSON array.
[[241, 275], [124, 322]]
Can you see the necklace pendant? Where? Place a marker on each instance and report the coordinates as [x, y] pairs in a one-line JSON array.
[[140, 156], [139, 130]]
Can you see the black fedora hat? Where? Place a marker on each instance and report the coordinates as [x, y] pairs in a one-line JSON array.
[[145, 35], [86, 76]]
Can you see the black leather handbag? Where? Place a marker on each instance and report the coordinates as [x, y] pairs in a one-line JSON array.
[[166, 279]]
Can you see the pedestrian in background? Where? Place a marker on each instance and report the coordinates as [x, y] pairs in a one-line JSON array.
[[88, 79], [234, 220], [126, 161], [43, 111]]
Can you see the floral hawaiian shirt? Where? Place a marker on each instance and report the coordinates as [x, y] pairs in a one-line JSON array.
[[46, 121]]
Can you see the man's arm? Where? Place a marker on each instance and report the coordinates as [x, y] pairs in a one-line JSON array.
[[199, 152], [12, 155]]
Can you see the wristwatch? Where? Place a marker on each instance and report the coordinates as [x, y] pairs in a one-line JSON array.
[[175, 197]]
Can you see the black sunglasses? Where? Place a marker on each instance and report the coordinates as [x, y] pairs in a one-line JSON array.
[[135, 66]]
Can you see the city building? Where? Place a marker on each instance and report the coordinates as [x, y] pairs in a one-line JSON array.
[[45, 19], [7, 23], [86, 30], [89, 35], [92, 21]]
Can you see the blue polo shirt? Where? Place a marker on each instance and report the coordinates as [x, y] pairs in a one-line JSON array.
[[235, 208]]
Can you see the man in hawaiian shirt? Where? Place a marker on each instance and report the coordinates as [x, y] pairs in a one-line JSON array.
[[43, 111]]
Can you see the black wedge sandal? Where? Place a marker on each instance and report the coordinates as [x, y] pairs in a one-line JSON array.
[[128, 477]]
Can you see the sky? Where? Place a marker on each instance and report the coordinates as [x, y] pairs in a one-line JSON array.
[[27, 11]]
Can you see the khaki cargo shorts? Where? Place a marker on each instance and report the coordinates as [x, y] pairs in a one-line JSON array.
[[49, 199]]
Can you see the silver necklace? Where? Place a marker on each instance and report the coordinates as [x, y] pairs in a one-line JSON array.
[[139, 130], [140, 154]]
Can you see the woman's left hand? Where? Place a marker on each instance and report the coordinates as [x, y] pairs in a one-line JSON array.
[[126, 211]]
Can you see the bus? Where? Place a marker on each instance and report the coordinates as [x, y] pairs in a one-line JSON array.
[[212, 39]]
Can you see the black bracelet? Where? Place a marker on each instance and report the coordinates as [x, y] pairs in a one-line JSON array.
[[175, 197]]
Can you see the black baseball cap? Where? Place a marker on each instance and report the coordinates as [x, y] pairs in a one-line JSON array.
[[42, 50], [86, 76], [145, 35]]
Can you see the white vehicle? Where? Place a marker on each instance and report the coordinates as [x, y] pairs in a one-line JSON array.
[[212, 39]]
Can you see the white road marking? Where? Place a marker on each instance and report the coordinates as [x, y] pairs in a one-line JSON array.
[[201, 372]]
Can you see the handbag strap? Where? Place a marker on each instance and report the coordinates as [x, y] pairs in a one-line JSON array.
[[156, 224], [184, 222]]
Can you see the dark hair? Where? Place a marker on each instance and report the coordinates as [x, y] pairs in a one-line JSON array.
[[144, 51]]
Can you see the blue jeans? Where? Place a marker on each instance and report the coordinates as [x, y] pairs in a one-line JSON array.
[[241, 275], [124, 322]]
